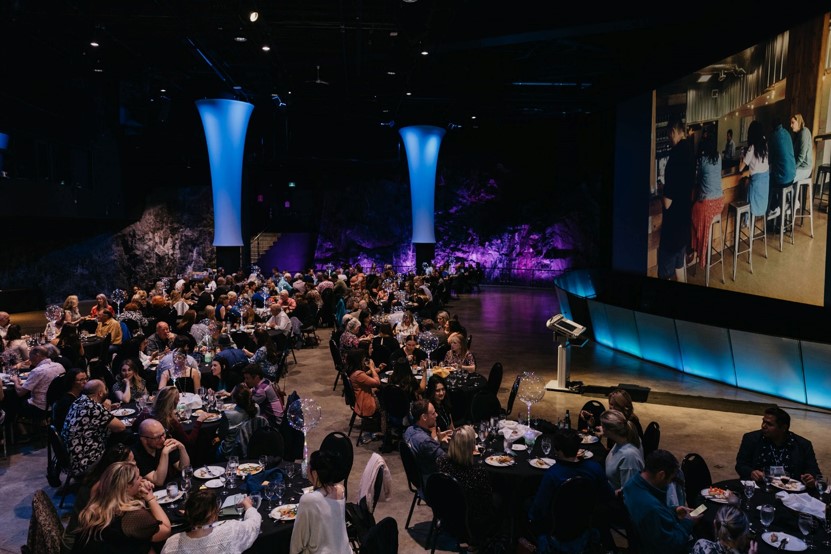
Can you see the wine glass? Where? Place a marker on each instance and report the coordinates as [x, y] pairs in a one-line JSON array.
[[172, 492], [807, 526], [749, 491], [822, 485], [263, 461], [545, 444], [279, 490], [290, 470], [238, 507], [187, 473], [270, 492], [766, 513], [186, 486]]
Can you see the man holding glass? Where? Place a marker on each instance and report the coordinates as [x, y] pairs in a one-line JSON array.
[[775, 446]]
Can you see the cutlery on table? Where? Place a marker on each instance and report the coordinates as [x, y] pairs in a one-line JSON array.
[[782, 543]]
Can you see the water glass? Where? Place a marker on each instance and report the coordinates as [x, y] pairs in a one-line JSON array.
[[256, 500], [530, 439], [270, 493], [239, 508], [766, 513], [822, 486], [263, 461], [749, 491], [279, 490], [202, 392], [186, 486], [290, 470], [807, 526]]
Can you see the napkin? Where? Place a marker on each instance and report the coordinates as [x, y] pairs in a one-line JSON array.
[[228, 506], [254, 483], [745, 483], [803, 502]]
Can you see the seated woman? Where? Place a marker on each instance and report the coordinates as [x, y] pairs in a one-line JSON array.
[[219, 379], [730, 528], [320, 525], [231, 537], [69, 343], [101, 304], [402, 377], [474, 480], [164, 411], [118, 452], [459, 356], [187, 321], [365, 381], [74, 380], [267, 356], [184, 378], [406, 327], [233, 432], [436, 393], [620, 400], [414, 355], [70, 310], [122, 514], [17, 349], [349, 339], [625, 459], [131, 385]]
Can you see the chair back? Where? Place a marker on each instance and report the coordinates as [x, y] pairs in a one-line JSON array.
[[396, 402], [484, 406], [408, 460], [55, 390], [438, 354], [696, 475], [595, 408], [45, 527], [495, 378], [337, 441], [380, 355], [447, 499], [512, 395], [572, 508], [469, 341], [266, 441], [348, 391], [651, 438], [335, 352], [59, 449], [382, 538]]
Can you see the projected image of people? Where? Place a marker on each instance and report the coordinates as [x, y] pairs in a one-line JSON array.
[[676, 204]]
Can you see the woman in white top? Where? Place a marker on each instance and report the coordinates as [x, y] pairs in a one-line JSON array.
[[320, 527], [625, 459], [407, 326], [209, 536]]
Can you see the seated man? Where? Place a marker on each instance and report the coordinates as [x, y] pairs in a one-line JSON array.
[[87, 427], [566, 445], [278, 320], [160, 342], [286, 302], [775, 445], [660, 529], [271, 405], [108, 325], [228, 350], [157, 456], [419, 438], [42, 372]]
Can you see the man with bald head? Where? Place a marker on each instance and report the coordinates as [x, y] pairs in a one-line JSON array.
[[87, 427], [160, 342], [158, 456]]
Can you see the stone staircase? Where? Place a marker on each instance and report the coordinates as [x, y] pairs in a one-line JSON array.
[[261, 243]]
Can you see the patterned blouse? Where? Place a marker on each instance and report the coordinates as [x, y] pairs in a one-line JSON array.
[[452, 358], [85, 433]]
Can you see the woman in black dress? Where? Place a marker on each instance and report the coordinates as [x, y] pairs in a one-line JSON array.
[[437, 394], [181, 376]]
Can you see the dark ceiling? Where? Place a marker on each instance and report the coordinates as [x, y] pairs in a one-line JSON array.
[[360, 61]]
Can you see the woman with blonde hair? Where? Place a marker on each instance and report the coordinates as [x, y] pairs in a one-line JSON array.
[[70, 309], [459, 356], [164, 411], [730, 528], [474, 481], [122, 515], [625, 459], [621, 401]]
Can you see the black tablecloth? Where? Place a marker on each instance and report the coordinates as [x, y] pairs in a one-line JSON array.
[[785, 519], [275, 536]]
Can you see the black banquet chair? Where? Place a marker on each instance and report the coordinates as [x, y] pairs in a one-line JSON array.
[[382, 538], [340, 443], [495, 378], [651, 438], [512, 395], [696, 475], [572, 509], [413, 472], [447, 499], [484, 406]]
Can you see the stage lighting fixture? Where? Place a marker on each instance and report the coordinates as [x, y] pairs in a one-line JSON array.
[[253, 16]]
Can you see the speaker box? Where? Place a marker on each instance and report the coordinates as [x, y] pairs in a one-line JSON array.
[[638, 393]]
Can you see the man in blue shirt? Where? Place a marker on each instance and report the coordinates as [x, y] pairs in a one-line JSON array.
[[230, 352], [660, 529], [426, 449]]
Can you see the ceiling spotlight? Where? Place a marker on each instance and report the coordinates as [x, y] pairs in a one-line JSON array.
[[390, 72], [409, 1], [425, 53], [162, 90], [473, 117], [94, 43], [266, 48], [253, 16], [240, 38], [409, 93], [453, 126]]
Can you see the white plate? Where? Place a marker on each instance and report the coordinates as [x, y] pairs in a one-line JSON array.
[[284, 512], [794, 485], [584, 454], [385, 380], [794, 544], [162, 497], [215, 483], [211, 417], [499, 461], [211, 472], [720, 499], [509, 423], [542, 463], [249, 469], [590, 439], [518, 447], [122, 412]]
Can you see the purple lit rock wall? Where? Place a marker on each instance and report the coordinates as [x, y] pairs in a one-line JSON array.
[[520, 232]]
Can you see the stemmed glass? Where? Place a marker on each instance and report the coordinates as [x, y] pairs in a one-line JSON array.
[[231, 469], [186, 487], [749, 491], [531, 390], [270, 492], [807, 525], [483, 434], [766, 513]]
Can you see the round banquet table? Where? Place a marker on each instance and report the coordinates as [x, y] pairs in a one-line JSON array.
[[785, 519], [461, 388], [275, 536], [517, 484]]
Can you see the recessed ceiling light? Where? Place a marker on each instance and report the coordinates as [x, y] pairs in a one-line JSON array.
[[409, 94], [240, 39], [237, 87], [162, 90], [393, 33], [253, 16], [425, 53], [473, 117], [409, 1], [98, 70], [390, 72], [94, 43], [266, 48]]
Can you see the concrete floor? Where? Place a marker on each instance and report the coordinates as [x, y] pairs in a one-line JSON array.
[[508, 325]]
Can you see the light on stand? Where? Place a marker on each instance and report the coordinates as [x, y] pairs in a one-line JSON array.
[[566, 334]]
